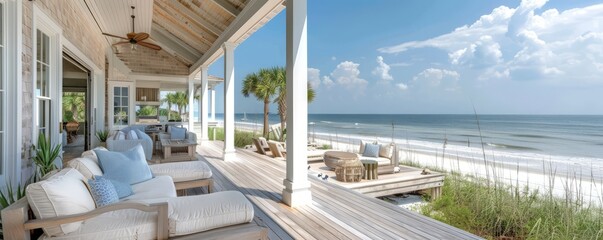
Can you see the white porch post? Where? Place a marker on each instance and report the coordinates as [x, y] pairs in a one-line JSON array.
[[229, 125], [213, 104], [297, 187], [191, 99], [203, 103]]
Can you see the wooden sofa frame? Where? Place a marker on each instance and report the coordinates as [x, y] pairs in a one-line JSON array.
[[182, 186], [17, 225]]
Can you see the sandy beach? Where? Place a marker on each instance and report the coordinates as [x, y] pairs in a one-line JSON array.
[[574, 177]]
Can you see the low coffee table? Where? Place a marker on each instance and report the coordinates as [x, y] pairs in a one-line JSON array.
[[168, 144]]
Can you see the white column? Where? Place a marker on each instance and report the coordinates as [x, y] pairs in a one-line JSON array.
[[203, 103], [191, 99], [213, 104], [297, 187], [229, 125]]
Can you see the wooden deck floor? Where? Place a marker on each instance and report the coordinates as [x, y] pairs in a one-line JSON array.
[[409, 179], [335, 212]]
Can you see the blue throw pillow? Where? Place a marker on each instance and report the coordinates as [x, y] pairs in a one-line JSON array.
[[178, 133], [371, 150], [102, 192], [123, 189], [129, 167]]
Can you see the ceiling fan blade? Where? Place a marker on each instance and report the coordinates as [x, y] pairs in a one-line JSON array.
[[115, 36], [118, 43], [141, 36], [149, 45]]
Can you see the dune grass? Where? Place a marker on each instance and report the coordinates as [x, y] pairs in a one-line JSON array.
[[242, 138], [493, 210]]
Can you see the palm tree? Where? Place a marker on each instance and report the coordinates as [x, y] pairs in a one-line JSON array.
[[280, 74], [181, 101], [263, 87], [76, 103], [170, 99]]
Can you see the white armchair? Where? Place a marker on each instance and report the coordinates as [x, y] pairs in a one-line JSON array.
[[121, 145]]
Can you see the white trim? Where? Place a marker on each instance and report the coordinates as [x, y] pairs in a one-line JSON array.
[[131, 102], [46, 25], [97, 93], [11, 165]]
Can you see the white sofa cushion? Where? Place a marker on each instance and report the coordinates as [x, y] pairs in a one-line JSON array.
[[157, 187], [122, 224], [386, 150], [186, 215], [62, 194], [87, 166], [205, 212], [90, 153], [182, 171]]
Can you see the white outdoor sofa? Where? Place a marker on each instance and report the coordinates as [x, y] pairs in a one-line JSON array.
[[64, 209]]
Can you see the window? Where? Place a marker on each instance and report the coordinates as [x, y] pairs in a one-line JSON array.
[[120, 105], [43, 81]]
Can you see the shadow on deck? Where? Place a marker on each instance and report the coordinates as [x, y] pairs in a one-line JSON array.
[[334, 213]]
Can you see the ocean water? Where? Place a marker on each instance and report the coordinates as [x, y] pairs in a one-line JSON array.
[[555, 135]]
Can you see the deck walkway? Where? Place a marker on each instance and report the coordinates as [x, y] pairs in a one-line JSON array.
[[335, 212]]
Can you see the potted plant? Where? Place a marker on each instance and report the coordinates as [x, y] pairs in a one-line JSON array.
[[45, 155], [102, 136]]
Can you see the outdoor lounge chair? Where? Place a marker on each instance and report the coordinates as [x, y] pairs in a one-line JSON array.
[[64, 209], [185, 175], [279, 151], [261, 145]]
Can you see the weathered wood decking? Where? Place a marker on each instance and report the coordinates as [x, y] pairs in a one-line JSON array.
[[334, 213], [409, 179]]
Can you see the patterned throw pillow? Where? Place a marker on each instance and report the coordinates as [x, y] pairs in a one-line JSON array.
[[371, 150], [123, 189], [102, 191]]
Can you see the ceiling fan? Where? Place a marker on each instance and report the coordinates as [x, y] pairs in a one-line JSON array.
[[135, 38]]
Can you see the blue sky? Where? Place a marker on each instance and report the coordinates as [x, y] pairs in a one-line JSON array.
[[420, 56]]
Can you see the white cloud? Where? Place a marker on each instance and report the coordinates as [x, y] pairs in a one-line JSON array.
[[518, 44], [314, 77], [436, 78], [402, 86], [382, 70], [333, 58], [347, 74], [327, 81]]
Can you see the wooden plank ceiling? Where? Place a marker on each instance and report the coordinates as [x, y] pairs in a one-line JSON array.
[[185, 29]]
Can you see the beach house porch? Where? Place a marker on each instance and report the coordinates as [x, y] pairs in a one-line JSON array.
[[289, 201]]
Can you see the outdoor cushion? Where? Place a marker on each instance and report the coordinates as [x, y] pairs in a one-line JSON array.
[[178, 133], [371, 150], [182, 171], [217, 210], [129, 167], [90, 153], [386, 150], [123, 189], [87, 166], [132, 135], [362, 145], [120, 136], [121, 224], [185, 216], [102, 191], [62, 194], [142, 135], [157, 187]]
